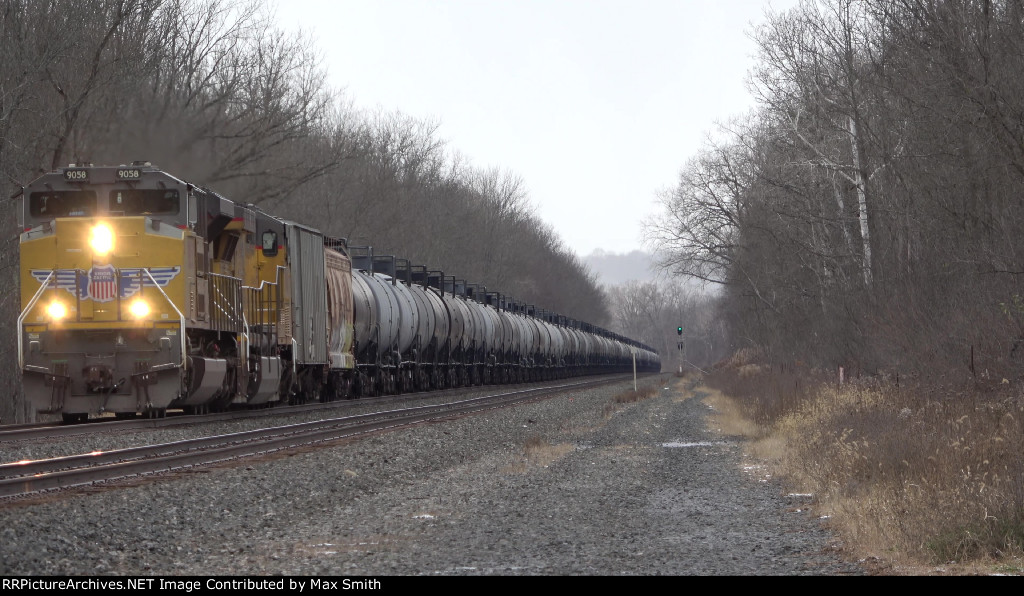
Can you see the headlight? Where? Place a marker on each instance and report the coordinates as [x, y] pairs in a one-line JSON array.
[[101, 239], [57, 310], [138, 308]]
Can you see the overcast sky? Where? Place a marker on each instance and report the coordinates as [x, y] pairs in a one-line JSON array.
[[596, 104]]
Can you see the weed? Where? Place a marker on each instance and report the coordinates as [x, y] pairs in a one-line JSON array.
[[634, 396], [629, 397], [924, 475]]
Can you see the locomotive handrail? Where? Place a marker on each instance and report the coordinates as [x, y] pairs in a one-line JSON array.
[[21, 317], [260, 310], [264, 282], [243, 354], [227, 305], [181, 320]]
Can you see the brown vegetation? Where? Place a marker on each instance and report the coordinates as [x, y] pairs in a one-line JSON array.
[[866, 217], [537, 452], [629, 397], [914, 475]]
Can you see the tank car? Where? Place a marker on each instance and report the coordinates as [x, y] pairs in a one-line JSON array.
[[142, 292]]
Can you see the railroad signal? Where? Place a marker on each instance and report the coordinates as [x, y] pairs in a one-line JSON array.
[[679, 330]]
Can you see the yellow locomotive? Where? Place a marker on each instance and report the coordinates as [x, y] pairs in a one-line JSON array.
[[141, 292]]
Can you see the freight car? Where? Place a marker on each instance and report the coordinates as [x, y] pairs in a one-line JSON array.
[[142, 292]]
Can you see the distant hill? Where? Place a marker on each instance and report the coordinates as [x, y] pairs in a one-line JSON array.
[[614, 268]]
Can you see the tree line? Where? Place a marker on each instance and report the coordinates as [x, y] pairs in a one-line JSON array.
[[868, 212], [680, 321], [215, 93]]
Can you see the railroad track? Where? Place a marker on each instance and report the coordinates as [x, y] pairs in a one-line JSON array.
[[26, 432], [35, 476]]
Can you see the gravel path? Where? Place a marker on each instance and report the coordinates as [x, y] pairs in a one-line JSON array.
[[574, 485]]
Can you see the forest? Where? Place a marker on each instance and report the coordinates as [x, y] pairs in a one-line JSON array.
[[215, 93], [843, 263], [863, 227], [868, 212]]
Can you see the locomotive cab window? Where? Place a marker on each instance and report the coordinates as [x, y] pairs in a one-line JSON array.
[[62, 203], [269, 243], [144, 201]]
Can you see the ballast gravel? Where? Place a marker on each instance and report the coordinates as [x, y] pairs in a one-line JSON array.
[[572, 485]]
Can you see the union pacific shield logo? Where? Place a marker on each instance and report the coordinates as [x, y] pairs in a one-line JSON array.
[[101, 282]]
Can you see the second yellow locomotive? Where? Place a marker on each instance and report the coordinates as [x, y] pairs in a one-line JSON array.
[[142, 292]]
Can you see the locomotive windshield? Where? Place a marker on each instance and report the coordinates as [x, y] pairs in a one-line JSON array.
[[155, 201], [62, 203]]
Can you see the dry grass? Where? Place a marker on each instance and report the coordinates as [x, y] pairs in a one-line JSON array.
[[634, 396], [629, 397], [538, 453], [728, 417], [919, 478]]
